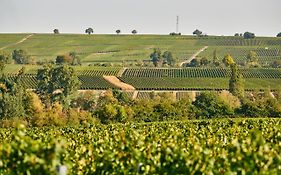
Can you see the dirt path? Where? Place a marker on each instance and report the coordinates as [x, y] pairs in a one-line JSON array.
[[193, 56], [21, 41], [116, 82]]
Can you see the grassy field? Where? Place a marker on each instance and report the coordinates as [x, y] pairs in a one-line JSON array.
[[104, 48], [128, 48]]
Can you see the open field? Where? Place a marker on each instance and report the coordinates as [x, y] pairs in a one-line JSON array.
[[131, 48], [228, 146]]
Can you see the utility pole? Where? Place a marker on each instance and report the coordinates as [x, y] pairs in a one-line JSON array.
[[177, 27]]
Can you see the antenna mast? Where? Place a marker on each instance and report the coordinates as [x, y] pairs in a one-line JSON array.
[[177, 28]]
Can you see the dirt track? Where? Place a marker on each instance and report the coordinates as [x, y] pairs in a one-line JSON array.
[[193, 56], [116, 82], [13, 44]]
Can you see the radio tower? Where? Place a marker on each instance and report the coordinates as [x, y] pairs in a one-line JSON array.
[[177, 28]]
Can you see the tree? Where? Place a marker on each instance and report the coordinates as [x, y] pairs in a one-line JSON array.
[[168, 58], [134, 32], [236, 82], [56, 31], [249, 35], [252, 56], [89, 31], [194, 63], [279, 34], [75, 58], [228, 60], [64, 59], [156, 57], [236, 34], [21, 57], [56, 83], [118, 31], [209, 105], [197, 32], [216, 61], [204, 61]]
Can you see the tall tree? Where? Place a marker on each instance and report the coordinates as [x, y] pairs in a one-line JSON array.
[[5, 57], [279, 34], [236, 82], [216, 61], [56, 83], [156, 57], [89, 31], [75, 58]]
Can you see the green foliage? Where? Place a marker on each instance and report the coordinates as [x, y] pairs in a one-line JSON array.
[[118, 31], [5, 57], [197, 32], [249, 35], [24, 155], [228, 60], [134, 32], [21, 57], [63, 59], [168, 58], [56, 83], [236, 82], [56, 31], [156, 57], [279, 34], [209, 105], [229, 146]]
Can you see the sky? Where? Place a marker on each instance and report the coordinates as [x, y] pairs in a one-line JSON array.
[[213, 17]]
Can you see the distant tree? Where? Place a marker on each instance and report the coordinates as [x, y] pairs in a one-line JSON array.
[[21, 57], [194, 63], [252, 56], [64, 59], [134, 32], [89, 31], [168, 58], [56, 31], [236, 34], [228, 60], [75, 58], [209, 105], [118, 31], [156, 57], [236, 82], [276, 64], [197, 32], [216, 61], [249, 35], [56, 84], [204, 61], [279, 34]]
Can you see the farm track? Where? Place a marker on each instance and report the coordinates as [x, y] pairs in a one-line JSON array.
[[19, 42], [116, 82], [193, 56]]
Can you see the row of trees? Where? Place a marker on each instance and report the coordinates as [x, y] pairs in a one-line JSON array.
[[91, 30]]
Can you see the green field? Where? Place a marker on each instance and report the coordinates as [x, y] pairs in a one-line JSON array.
[[228, 146], [128, 48]]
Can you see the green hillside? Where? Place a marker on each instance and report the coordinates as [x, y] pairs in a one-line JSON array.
[[127, 48]]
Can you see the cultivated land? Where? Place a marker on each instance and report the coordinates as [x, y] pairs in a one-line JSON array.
[[125, 49]]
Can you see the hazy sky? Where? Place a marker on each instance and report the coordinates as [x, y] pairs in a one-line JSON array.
[[214, 17]]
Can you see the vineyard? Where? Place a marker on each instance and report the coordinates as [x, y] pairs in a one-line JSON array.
[[265, 55], [228, 146]]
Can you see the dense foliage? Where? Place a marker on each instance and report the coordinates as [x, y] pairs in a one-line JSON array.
[[249, 146]]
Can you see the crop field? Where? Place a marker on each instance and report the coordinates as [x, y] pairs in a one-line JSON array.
[[128, 48], [266, 55], [226, 146], [104, 48]]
